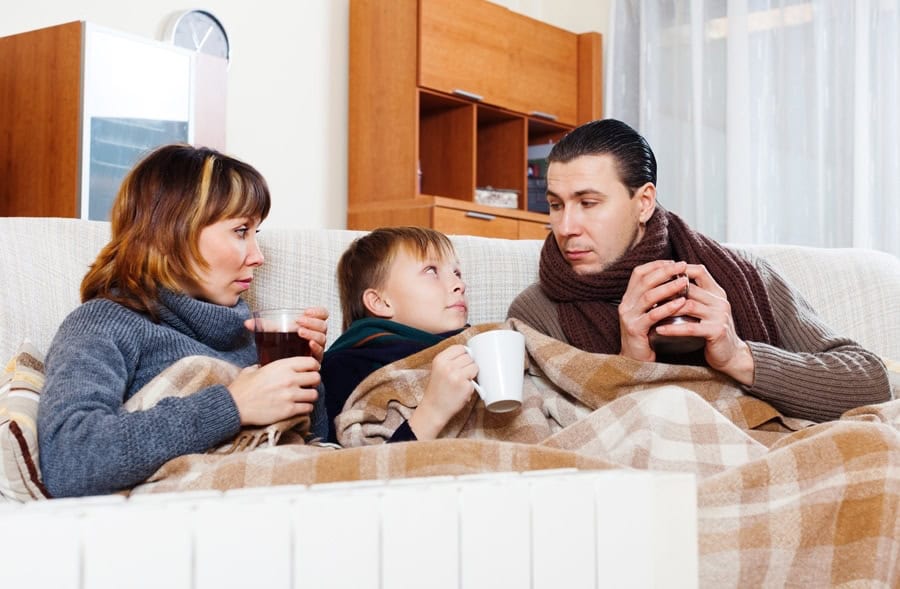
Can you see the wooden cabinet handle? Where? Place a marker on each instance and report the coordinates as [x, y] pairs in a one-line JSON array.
[[483, 216], [543, 115], [467, 94]]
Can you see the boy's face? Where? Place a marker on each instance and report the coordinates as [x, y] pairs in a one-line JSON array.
[[426, 294]]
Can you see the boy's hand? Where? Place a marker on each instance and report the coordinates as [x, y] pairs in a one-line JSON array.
[[448, 391]]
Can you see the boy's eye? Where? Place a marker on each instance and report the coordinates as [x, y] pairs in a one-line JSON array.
[[431, 269], [588, 203]]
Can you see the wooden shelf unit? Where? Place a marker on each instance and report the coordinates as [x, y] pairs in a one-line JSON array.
[[458, 90]]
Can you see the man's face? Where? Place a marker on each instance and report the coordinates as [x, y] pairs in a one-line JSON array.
[[594, 218]]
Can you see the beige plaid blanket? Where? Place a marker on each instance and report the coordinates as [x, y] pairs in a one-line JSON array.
[[782, 502], [195, 373]]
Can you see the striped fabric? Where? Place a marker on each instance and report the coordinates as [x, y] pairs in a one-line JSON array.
[[20, 389]]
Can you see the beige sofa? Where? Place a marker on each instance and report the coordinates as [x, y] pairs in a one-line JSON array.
[[802, 513], [43, 260]]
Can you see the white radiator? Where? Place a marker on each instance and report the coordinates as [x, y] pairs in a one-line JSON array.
[[544, 529]]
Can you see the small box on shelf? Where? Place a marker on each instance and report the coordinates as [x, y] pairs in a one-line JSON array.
[[497, 197]]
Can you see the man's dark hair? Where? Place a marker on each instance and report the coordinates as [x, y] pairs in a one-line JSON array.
[[635, 161]]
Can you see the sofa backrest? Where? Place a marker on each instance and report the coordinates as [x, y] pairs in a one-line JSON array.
[[44, 259]]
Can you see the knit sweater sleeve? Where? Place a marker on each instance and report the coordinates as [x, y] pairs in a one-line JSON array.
[[815, 374], [88, 443], [534, 308]]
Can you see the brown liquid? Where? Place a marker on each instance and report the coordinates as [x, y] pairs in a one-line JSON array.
[[275, 345]]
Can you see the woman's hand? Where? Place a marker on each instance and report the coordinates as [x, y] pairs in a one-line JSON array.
[[313, 325], [448, 390], [279, 390]]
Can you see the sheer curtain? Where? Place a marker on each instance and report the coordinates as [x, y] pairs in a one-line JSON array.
[[772, 121]]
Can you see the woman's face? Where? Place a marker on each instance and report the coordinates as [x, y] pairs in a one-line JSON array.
[[231, 252]]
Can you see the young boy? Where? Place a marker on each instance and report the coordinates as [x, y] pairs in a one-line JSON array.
[[401, 292]]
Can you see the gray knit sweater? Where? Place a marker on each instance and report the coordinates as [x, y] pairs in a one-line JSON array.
[[103, 354], [815, 374]]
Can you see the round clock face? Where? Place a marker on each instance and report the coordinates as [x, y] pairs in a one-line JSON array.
[[201, 31]]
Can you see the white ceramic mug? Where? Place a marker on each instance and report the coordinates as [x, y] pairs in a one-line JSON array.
[[500, 356]]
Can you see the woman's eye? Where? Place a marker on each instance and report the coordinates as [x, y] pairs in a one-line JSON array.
[[555, 206], [242, 232]]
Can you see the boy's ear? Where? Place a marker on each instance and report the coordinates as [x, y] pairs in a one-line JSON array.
[[376, 305]]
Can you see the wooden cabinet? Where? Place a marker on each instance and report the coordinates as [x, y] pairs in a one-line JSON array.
[[475, 29], [546, 63], [446, 97]]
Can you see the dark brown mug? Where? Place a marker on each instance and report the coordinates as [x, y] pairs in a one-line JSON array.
[[675, 344]]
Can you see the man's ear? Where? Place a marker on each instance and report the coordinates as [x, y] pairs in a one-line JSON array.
[[646, 197], [376, 305]]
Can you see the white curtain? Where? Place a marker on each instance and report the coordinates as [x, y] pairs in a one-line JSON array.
[[773, 121]]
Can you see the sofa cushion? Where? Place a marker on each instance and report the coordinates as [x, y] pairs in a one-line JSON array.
[[20, 388]]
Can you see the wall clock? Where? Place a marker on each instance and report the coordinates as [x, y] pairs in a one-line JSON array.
[[199, 30]]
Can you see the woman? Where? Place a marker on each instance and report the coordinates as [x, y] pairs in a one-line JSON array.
[[167, 285]]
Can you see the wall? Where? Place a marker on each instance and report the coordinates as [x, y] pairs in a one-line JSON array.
[[287, 83]]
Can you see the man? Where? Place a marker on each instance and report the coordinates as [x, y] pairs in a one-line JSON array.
[[606, 279]]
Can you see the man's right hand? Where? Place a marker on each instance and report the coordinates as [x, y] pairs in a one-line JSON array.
[[649, 284]]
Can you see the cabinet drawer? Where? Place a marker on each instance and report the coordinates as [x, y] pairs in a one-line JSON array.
[[533, 230], [458, 222], [463, 45]]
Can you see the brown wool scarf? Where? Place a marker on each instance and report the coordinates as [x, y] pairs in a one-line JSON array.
[[587, 305]]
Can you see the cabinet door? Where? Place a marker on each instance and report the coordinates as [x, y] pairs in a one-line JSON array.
[[545, 61], [40, 106], [459, 222], [463, 47]]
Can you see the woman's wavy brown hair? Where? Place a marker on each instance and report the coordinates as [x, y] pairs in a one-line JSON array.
[[164, 203]]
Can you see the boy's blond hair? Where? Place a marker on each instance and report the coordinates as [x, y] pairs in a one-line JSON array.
[[367, 261]]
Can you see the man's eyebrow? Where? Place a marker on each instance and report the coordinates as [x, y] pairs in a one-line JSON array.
[[589, 192], [579, 193]]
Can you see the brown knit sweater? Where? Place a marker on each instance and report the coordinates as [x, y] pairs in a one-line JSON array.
[[814, 374]]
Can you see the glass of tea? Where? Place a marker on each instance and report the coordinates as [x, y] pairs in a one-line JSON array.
[[276, 335]]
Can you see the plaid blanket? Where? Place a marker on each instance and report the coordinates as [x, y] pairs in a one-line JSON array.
[[195, 373], [780, 501]]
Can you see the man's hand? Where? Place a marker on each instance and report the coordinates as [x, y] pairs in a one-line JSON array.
[[706, 301], [639, 310]]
